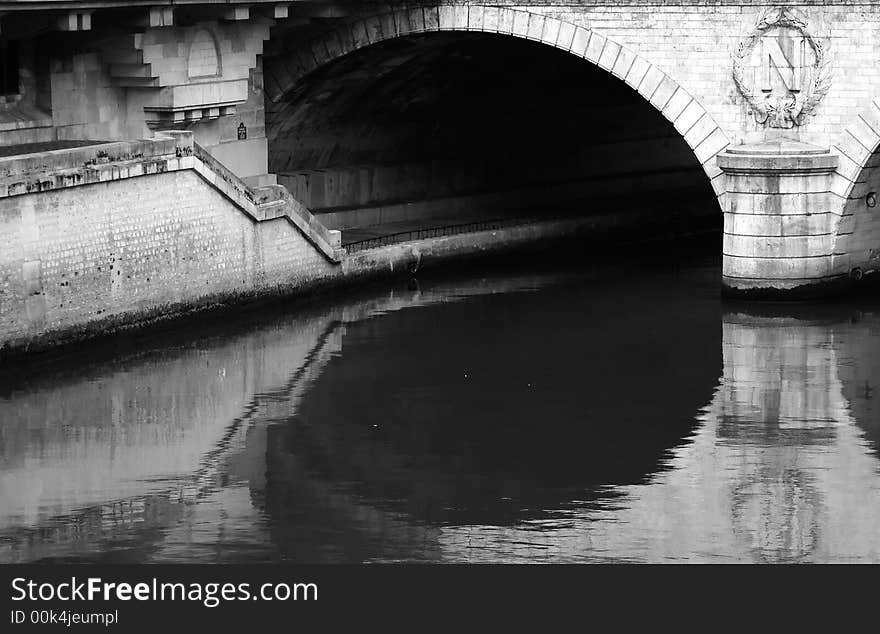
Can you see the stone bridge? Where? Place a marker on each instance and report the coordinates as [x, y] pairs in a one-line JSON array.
[[373, 118], [774, 102]]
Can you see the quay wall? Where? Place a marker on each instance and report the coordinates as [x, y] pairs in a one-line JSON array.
[[77, 261], [135, 247]]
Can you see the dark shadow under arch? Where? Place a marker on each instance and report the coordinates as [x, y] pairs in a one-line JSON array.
[[696, 126], [477, 122]]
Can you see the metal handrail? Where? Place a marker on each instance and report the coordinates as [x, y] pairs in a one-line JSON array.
[[436, 232]]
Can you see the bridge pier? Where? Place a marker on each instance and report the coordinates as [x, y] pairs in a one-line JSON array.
[[779, 220]]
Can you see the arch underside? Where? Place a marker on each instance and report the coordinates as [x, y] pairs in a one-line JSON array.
[[690, 120], [857, 239]]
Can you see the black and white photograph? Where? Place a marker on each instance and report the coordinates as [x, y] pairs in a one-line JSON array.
[[346, 286]]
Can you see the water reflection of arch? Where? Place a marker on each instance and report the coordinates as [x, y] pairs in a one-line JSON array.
[[474, 461], [780, 467], [241, 377]]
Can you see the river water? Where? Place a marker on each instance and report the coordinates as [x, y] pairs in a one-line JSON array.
[[597, 411]]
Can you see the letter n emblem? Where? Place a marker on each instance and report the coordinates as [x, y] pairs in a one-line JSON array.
[[789, 64]]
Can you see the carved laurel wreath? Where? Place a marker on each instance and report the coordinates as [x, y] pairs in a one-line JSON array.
[[796, 108]]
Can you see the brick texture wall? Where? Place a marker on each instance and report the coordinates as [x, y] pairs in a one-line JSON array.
[[101, 253]]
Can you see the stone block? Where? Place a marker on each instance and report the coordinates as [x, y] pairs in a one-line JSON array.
[[750, 224], [416, 20], [651, 82], [447, 17], [520, 23], [588, 44], [709, 148], [849, 147], [637, 72], [778, 246], [663, 93], [871, 116], [692, 113], [374, 32], [776, 269], [676, 104], [460, 18], [840, 185], [432, 18], [866, 136], [811, 224], [505, 20], [847, 167], [536, 27], [550, 34], [608, 54], [717, 183], [566, 35], [700, 131], [624, 62]]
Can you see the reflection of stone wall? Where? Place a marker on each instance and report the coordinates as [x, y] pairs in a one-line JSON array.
[[779, 394], [118, 432], [781, 375], [800, 458]]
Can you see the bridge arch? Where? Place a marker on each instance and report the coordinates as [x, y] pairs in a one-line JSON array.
[[857, 232], [694, 124]]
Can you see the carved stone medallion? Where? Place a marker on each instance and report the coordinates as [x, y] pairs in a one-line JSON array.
[[781, 69]]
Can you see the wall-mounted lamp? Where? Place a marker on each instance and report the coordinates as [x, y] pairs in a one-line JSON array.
[[871, 199]]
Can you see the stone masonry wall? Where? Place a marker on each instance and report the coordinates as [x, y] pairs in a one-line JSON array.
[[692, 41], [89, 259], [111, 89], [108, 252]]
